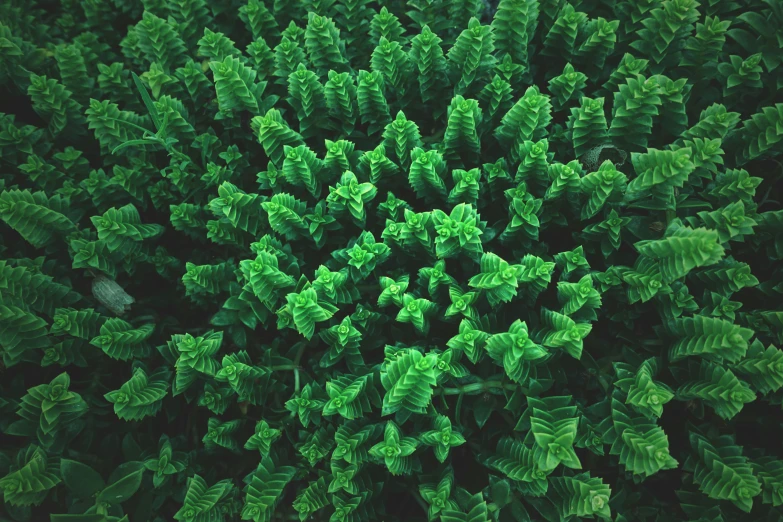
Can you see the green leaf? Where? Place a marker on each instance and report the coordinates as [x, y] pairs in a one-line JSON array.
[[81, 479], [121, 490], [145, 97]]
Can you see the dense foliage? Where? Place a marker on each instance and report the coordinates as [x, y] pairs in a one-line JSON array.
[[425, 260]]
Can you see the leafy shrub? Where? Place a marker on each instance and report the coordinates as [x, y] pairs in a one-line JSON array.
[[434, 259]]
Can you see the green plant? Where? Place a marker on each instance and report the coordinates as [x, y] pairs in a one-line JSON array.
[[351, 260]]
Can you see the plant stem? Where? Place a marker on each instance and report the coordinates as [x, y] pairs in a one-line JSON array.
[[284, 367], [293, 366], [457, 418], [477, 387], [298, 358]]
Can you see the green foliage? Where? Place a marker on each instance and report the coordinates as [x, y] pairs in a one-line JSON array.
[[567, 86], [395, 450], [471, 56], [30, 477], [408, 377], [47, 410], [235, 85], [428, 57], [514, 25], [345, 260], [641, 445], [722, 472], [141, 395], [36, 217], [202, 501], [526, 120]]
